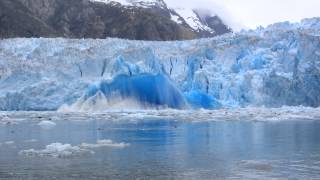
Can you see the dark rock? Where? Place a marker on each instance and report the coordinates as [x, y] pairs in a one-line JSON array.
[[85, 19]]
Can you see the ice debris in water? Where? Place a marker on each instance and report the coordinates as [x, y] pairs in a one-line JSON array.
[[59, 150], [271, 67], [243, 114], [9, 143], [4, 119], [30, 140], [47, 124], [105, 143]]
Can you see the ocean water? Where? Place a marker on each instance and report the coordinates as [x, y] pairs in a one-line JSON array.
[[142, 145]]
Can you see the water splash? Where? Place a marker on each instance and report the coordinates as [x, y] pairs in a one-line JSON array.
[[144, 91]]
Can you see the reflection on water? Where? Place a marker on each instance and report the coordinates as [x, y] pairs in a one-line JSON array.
[[166, 149]]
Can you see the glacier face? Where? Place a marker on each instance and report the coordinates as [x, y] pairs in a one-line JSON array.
[[275, 66]]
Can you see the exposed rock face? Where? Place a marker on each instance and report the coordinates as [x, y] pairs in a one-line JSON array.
[[16, 20], [87, 19], [215, 23]]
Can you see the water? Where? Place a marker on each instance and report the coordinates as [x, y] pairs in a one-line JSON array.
[[161, 148]]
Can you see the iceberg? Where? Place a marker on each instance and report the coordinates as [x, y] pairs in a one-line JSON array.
[[268, 67]]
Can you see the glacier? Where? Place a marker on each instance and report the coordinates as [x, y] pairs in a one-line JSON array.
[[268, 67]]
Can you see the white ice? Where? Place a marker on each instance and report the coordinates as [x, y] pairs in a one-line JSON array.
[[234, 114], [105, 143], [59, 150], [272, 67], [47, 124]]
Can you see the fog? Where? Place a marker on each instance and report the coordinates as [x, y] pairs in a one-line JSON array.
[[252, 13]]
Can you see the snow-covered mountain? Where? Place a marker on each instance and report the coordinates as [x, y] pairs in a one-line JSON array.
[[128, 19], [273, 67], [137, 3], [192, 18]]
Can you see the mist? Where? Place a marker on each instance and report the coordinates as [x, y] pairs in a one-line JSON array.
[[249, 14]]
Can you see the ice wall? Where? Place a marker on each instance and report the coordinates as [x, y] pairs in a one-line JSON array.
[[275, 66]]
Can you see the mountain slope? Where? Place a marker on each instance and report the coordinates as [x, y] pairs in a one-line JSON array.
[[140, 20], [204, 24], [17, 21]]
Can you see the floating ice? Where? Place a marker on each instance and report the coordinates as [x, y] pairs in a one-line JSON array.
[[5, 118], [59, 150], [47, 124], [105, 143], [263, 114], [9, 143], [30, 141]]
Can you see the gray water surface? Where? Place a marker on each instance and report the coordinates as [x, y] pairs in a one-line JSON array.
[[165, 149]]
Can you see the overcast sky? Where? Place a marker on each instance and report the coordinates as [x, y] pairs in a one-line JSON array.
[[252, 13]]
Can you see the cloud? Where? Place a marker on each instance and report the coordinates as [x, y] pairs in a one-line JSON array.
[[215, 7], [252, 13]]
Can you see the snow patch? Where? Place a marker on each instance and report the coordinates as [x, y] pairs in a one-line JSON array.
[[122, 2], [192, 19], [176, 19], [135, 3]]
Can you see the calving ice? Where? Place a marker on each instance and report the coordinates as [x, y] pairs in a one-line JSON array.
[[272, 67]]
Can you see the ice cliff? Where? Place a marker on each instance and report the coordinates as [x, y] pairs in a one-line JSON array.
[[274, 66]]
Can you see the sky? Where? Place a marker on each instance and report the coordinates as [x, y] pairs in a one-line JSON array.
[[249, 14]]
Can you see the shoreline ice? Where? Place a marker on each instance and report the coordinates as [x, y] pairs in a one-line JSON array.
[[236, 114]]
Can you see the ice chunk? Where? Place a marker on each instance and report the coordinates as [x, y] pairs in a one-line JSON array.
[[57, 150], [105, 143], [9, 143], [47, 124], [30, 141]]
